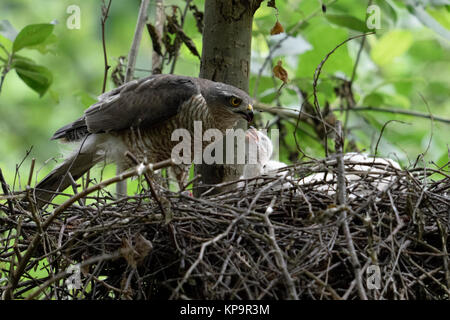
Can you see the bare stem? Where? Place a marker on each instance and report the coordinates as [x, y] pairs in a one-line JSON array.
[[142, 18], [105, 12]]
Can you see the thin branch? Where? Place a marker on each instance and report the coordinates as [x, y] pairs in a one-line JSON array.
[[361, 47], [121, 188], [398, 111], [157, 59], [6, 67], [105, 12], [132, 56], [291, 113], [381, 134], [6, 192], [315, 82], [341, 199], [281, 262], [63, 274], [178, 41]]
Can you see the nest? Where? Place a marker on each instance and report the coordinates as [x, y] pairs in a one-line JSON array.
[[270, 238]]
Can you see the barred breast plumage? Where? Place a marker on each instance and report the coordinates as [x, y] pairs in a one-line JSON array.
[[154, 144]]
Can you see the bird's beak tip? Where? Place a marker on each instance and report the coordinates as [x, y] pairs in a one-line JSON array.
[[250, 113]]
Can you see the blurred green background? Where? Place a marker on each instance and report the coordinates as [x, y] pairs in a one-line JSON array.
[[408, 57]]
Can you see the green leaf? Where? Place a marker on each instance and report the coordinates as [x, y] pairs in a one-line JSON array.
[[37, 77], [5, 45], [48, 45], [347, 21], [32, 35], [85, 98], [398, 101], [373, 100], [387, 11], [441, 15], [7, 30], [390, 46]]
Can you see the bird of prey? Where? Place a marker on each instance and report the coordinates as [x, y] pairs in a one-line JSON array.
[[140, 117]]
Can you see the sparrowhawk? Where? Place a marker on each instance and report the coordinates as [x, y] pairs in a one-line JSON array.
[[140, 117]]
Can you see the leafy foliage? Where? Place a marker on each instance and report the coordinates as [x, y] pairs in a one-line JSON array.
[[33, 36]]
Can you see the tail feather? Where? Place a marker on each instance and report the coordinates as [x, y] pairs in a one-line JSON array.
[[58, 180]]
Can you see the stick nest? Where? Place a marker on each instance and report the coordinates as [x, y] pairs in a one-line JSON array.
[[269, 239]]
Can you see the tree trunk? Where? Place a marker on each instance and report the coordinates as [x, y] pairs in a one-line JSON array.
[[226, 53]]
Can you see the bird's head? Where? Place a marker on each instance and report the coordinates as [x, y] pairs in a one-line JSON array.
[[228, 103]]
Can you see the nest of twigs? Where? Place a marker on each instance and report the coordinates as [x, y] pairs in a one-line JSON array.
[[272, 238]]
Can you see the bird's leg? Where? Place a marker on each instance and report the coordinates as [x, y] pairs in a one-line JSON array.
[[149, 182], [181, 173], [121, 186], [75, 187]]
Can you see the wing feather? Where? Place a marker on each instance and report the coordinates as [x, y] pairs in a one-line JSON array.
[[144, 103], [138, 103]]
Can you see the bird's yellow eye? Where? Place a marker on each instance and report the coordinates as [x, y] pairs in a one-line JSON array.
[[235, 101]]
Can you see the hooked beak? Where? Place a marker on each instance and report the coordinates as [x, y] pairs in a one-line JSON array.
[[247, 114]]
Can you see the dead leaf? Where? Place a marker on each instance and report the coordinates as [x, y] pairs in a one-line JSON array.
[[174, 27], [198, 16], [271, 4], [277, 28], [143, 248], [85, 269], [128, 253], [156, 41], [280, 72]]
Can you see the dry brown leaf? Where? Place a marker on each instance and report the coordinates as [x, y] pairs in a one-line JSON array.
[[143, 248], [280, 72], [128, 253], [85, 269], [277, 28], [272, 4]]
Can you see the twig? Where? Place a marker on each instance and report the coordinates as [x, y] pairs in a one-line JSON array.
[[177, 41], [341, 197], [63, 274], [121, 188], [6, 192], [381, 134], [157, 59], [361, 47], [142, 18], [397, 111], [279, 255], [315, 82], [323, 284], [291, 113], [6, 67], [105, 12]]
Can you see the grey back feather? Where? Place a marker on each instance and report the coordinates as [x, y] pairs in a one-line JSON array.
[[143, 103]]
